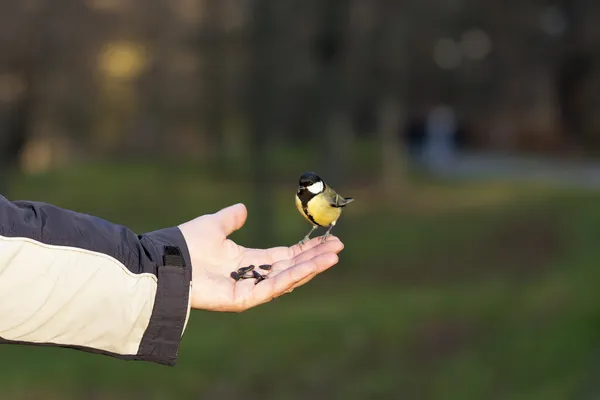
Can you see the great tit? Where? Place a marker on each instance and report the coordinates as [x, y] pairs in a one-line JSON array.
[[319, 204]]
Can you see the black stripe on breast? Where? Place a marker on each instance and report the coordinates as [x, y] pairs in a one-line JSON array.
[[305, 209], [305, 196]]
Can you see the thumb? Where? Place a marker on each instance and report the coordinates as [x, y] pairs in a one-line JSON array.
[[232, 218]]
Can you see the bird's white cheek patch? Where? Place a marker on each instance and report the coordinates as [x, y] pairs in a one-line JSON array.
[[316, 188]]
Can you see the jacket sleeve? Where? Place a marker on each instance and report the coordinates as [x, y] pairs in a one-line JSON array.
[[72, 280]]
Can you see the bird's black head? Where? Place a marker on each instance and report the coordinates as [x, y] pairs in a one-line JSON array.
[[311, 182]]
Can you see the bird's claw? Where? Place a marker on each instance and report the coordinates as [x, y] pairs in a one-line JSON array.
[[303, 242]]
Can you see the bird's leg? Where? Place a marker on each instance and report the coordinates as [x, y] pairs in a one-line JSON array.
[[307, 237], [326, 235]]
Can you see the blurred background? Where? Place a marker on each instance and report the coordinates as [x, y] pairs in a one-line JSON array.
[[467, 131]]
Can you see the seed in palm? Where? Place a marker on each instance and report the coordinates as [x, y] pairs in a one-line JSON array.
[[265, 267], [258, 276], [244, 270], [242, 273]]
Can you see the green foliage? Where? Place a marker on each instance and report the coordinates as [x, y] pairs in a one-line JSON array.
[[497, 301]]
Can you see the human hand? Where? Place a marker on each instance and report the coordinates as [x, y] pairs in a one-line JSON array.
[[214, 257]]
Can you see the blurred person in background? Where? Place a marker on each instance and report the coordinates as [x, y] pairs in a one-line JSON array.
[[440, 128], [73, 280]]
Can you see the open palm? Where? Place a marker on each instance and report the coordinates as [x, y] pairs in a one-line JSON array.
[[214, 257]]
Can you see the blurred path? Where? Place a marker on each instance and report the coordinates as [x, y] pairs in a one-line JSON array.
[[580, 174]]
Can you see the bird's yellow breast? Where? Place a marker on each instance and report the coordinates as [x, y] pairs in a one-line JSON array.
[[301, 210], [320, 210]]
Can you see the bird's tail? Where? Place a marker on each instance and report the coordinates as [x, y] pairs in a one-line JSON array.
[[345, 201]]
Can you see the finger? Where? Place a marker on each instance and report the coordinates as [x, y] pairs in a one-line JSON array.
[[302, 282], [232, 218], [327, 247], [297, 249], [274, 287], [276, 254], [334, 246], [245, 287], [322, 262], [285, 252]]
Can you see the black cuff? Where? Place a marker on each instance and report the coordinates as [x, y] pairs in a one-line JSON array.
[[168, 237], [162, 338]]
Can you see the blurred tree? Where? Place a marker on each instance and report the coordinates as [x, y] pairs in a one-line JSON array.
[[25, 59], [391, 71], [122, 62], [393, 175], [15, 128], [261, 104], [213, 50], [332, 118], [574, 68], [333, 63]]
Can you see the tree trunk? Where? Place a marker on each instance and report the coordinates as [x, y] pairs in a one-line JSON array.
[[261, 103], [391, 117], [17, 117], [14, 133], [574, 69], [212, 61], [332, 118], [393, 160]]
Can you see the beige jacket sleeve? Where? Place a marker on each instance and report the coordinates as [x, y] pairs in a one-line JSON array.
[[73, 280]]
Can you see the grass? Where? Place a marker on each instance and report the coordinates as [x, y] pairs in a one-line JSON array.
[[464, 292]]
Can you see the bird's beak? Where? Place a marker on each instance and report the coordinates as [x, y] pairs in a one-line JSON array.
[[300, 187]]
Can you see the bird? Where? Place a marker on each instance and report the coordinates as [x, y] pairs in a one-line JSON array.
[[319, 204]]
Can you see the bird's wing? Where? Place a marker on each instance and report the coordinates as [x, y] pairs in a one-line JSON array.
[[338, 201]]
